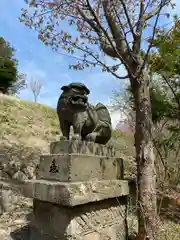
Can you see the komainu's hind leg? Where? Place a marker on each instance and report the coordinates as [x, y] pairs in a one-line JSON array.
[[101, 134], [92, 136]]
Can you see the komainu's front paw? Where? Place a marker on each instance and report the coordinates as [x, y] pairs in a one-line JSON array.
[[62, 138], [91, 137], [76, 137]]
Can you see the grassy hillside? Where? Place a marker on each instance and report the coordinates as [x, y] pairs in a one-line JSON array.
[[26, 129], [26, 123]]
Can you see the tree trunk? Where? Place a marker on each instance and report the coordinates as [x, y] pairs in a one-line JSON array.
[[146, 174]]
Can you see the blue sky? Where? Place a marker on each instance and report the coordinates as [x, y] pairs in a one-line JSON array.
[[40, 62]]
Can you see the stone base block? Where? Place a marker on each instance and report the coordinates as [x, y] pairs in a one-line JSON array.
[[76, 193], [103, 220], [82, 147], [79, 167]]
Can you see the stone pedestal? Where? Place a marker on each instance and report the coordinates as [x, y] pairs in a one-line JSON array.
[[77, 195]]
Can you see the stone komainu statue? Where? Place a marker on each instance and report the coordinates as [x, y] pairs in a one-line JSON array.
[[89, 123]]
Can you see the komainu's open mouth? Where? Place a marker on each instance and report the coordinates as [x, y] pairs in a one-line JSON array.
[[79, 100]]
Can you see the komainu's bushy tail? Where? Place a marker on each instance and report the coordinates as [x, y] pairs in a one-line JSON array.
[[103, 114]]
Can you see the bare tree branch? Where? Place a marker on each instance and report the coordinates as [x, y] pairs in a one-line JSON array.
[[152, 38], [139, 28], [129, 51], [157, 10], [117, 33], [128, 18], [110, 49], [101, 63], [98, 29], [35, 86]]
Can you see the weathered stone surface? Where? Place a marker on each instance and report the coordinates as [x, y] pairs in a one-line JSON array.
[[76, 167], [91, 123], [3, 159], [79, 193], [74, 193], [10, 196], [20, 176], [102, 220], [82, 147]]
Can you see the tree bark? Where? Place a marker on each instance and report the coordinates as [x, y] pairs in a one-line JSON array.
[[146, 174]]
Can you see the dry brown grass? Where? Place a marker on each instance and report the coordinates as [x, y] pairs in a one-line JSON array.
[[23, 121], [25, 127]]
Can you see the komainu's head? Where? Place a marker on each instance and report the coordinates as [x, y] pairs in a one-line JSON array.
[[75, 96]]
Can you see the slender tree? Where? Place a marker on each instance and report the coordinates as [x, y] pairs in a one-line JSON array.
[[116, 28], [35, 86]]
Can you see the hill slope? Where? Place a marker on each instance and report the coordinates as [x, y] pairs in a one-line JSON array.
[[26, 129], [25, 122]]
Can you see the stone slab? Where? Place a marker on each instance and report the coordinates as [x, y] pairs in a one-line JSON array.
[[102, 220], [82, 147], [79, 167], [74, 193]]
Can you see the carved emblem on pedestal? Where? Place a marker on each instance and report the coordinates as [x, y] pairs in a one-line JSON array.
[[53, 167]]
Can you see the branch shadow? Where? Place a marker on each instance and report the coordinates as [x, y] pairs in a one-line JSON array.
[[27, 232], [23, 233]]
